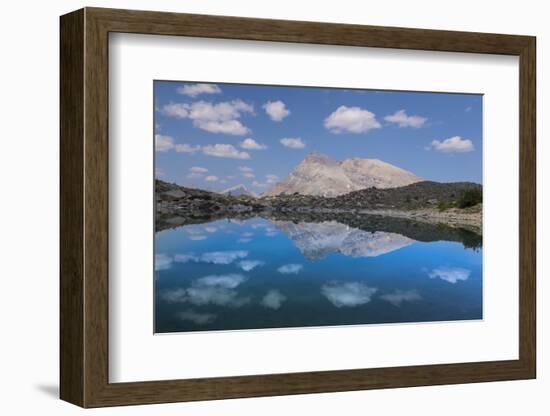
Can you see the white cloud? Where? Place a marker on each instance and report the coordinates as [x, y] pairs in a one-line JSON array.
[[348, 294], [192, 90], [178, 110], [211, 178], [244, 240], [162, 262], [271, 178], [293, 142], [184, 258], [197, 237], [251, 144], [166, 143], [199, 318], [233, 127], [210, 229], [248, 265], [159, 173], [403, 120], [273, 299], [198, 170], [400, 296], [276, 110], [450, 274], [290, 269], [163, 143], [229, 281], [454, 144], [213, 257], [213, 289], [215, 118], [186, 148], [351, 120], [224, 150], [245, 169]]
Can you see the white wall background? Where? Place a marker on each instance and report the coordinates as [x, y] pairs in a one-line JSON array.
[[29, 208]]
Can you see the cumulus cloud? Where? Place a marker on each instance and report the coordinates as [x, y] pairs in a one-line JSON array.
[[450, 274], [403, 120], [273, 299], [162, 262], [271, 179], [351, 120], [400, 296], [215, 118], [199, 318], [293, 142], [198, 170], [290, 269], [224, 150], [348, 294], [246, 171], [276, 110], [213, 257], [229, 281], [163, 143], [213, 289], [177, 110], [192, 90], [186, 148], [455, 144], [248, 265], [211, 178], [251, 144]]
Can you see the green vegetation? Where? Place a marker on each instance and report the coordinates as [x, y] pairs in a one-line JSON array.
[[469, 198], [443, 205]]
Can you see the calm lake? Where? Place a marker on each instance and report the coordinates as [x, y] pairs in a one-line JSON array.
[[252, 273]]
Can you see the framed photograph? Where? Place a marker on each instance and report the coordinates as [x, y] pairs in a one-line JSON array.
[[255, 207]]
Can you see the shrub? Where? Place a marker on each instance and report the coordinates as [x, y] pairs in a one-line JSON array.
[[469, 198]]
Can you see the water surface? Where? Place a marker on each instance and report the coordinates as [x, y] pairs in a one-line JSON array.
[[231, 274]]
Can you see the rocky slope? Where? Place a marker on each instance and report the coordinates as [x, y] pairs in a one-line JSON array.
[[318, 175], [422, 201]]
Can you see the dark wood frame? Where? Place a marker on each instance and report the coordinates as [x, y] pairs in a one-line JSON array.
[[84, 207]]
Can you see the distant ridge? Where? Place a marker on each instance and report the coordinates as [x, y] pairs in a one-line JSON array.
[[318, 175], [239, 190]]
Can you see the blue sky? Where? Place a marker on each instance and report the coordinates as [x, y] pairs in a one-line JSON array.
[[214, 136]]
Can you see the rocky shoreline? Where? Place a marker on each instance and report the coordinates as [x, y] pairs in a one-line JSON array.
[[425, 202]]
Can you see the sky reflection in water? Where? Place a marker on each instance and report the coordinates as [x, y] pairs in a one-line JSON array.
[[258, 273]]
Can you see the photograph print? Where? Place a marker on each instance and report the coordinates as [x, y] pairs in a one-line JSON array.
[[294, 207]]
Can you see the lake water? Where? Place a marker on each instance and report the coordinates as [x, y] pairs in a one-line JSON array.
[[256, 273]]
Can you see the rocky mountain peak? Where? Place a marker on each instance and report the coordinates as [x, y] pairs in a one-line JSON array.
[[319, 175]]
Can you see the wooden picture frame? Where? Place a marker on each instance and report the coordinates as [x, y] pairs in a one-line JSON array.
[[84, 207]]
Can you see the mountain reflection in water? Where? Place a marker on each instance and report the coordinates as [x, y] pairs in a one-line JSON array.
[[300, 271]]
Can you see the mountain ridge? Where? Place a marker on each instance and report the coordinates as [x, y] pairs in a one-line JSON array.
[[318, 175], [239, 190]]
